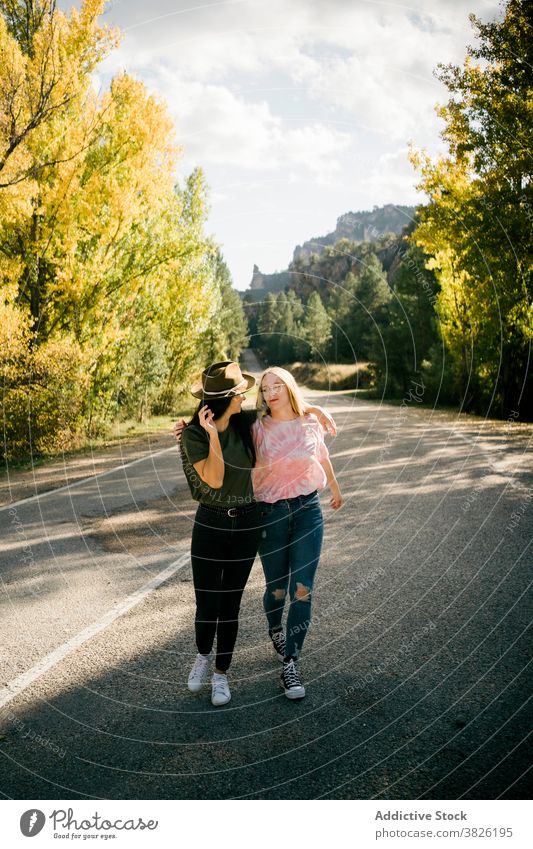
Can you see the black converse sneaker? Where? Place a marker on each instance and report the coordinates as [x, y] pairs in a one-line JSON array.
[[278, 641], [290, 680]]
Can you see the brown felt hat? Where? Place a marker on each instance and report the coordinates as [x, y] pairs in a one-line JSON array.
[[222, 380]]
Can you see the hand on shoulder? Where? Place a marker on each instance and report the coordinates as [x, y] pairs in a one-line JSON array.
[[326, 420], [178, 429]]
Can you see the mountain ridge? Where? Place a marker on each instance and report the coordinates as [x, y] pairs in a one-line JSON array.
[[363, 226]]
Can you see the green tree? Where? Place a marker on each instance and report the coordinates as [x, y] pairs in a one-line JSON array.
[[279, 327], [407, 341], [477, 226], [342, 302], [316, 326], [144, 370], [228, 330], [289, 311], [370, 293], [42, 389], [266, 328]]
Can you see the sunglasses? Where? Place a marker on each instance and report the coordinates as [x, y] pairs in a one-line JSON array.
[[276, 388]]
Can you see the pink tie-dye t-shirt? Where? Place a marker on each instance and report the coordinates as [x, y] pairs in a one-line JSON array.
[[288, 458]]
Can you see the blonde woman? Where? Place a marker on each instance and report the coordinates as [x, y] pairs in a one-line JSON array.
[[292, 464]]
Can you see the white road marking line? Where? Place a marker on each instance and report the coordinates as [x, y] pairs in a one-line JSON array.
[[22, 682], [42, 539], [36, 497]]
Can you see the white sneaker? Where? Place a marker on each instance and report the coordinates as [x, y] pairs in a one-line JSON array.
[[220, 694], [198, 673]]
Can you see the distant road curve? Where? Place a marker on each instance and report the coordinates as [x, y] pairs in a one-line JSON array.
[[250, 362]]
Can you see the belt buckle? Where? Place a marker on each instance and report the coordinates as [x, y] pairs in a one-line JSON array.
[[233, 512]]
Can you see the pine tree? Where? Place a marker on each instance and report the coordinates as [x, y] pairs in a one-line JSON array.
[[316, 326], [266, 328], [370, 293], [402, 345]]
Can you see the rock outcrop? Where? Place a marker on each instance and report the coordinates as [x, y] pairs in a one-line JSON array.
[[360, 227]]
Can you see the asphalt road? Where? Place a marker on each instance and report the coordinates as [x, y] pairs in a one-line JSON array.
[[416, 668]]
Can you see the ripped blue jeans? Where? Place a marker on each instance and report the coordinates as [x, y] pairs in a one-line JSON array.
[[289, 547]]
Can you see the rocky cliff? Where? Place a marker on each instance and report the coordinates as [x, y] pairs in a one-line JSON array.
[[360, 227], [356, 226]]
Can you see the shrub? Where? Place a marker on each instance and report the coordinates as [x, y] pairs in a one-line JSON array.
[[42, 391]]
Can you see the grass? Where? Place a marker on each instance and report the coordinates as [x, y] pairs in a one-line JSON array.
[[131, 429], [331, 376], [119, 432]]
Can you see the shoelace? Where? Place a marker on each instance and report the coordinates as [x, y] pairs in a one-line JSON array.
[[278, 638], [199, 666], [220, 687], [290, 675]]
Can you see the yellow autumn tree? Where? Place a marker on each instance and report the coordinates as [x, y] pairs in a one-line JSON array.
[[104, 264]]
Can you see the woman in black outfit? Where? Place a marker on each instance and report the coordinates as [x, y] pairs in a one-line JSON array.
[[218, 456]]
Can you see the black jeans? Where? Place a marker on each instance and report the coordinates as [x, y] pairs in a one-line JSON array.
[[223, 550]]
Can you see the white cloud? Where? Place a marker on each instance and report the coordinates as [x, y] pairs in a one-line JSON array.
[[392, 177], [219, 127], [303, 106], [371, 62]]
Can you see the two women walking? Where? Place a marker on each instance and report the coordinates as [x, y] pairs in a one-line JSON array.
[[255, 475]]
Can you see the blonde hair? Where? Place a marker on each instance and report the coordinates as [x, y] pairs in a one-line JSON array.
[[295, 396]]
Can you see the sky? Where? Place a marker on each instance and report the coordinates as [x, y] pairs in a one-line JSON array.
[[297, 110]]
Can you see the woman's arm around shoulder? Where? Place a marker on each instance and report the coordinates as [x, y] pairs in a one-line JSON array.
[[326, 420]]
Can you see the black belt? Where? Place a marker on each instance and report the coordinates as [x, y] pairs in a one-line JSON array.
[[232, 512]]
